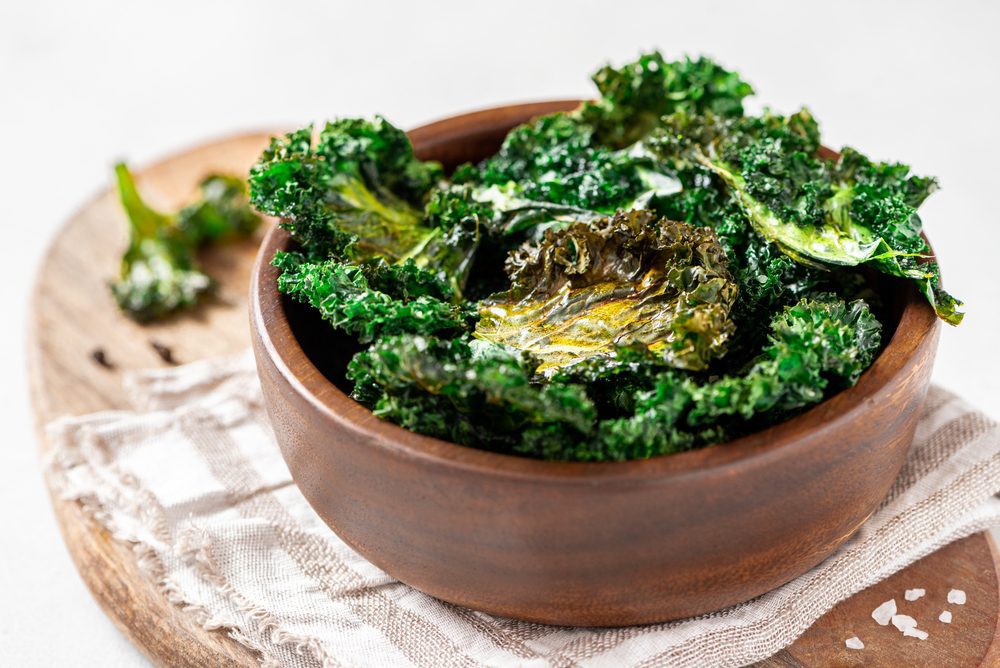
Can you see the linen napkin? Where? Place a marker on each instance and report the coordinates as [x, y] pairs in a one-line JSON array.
[[194, 479]]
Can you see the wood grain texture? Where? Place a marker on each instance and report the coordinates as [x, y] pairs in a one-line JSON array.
[[72, 314]]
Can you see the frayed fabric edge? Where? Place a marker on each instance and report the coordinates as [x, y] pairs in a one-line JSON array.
[[192, 545]]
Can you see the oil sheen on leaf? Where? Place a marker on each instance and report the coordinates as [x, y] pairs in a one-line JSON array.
[[631, 279]]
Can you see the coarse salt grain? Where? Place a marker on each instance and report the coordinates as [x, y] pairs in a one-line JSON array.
[[908, 625], [945, 617], [914, 594], [903, 622], [956, 596], [883, 613], [854, 643]]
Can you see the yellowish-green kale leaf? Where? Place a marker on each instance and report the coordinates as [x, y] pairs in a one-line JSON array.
[[587, 289], [827, 213], [357, 192]]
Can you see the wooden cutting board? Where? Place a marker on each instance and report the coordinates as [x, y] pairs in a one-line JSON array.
[[73, 315]]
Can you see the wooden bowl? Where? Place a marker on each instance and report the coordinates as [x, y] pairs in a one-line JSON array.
[[606, 544]]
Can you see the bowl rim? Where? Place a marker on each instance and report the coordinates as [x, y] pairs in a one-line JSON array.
[[787, 439]]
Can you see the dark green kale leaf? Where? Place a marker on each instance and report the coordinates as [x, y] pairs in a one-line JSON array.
[[587, 289], [578, 165], [290, 181], [768, 279], [555, 159], [470, 392], [455, 207], [382, 153], [614, 380], [553, 170], [636, 95], [159, 273], [373, 298], [818, 344], [359, 193]]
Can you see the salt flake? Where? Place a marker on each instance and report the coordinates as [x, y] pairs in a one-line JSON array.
[[914, 594], [883, 613], [945, 617], [904, 622], [956, 596], [854, 643], [908, 625]]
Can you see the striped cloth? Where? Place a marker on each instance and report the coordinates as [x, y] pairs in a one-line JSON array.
[[193, 478]]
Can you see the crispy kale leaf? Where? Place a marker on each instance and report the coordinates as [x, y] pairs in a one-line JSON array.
[[636, 95], [470, 392], [630, 279], [555, 159], [373, 298], [359, 193], [827, 213], [552, 169], [815, 344], [159, 274], [768, 279], [577, 165]]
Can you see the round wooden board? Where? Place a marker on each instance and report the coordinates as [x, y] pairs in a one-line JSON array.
[[73, 314]]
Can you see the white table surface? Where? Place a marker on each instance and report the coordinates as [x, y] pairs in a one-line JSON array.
[[85, 83]]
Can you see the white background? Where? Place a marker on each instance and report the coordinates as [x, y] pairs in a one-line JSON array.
[[85, 83]]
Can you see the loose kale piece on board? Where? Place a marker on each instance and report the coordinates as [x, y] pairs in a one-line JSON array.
[[221, 213], [159, 274]]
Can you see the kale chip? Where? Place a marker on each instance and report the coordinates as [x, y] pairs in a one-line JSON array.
[[630, 279], [359, 193], [471, 392], [159, 272], [636, 95], [820, 212], [371, 299]]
